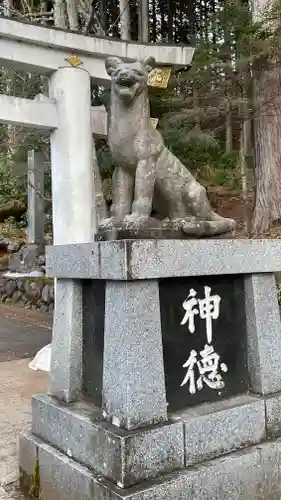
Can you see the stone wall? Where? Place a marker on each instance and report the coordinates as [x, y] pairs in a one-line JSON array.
[[36, 293], [33, 293]]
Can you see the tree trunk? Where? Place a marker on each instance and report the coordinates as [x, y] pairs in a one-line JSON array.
[[228, 75], [245, 134], [60, 14], [43, 8], [103, 16], [163, 24], [267, 148], [7, 7], [196, 107], [143, 21], [72, 15], [267, 138], [154, 21], [114, 12], [99, 204], [170, 21], [124, 8], [228, 127]]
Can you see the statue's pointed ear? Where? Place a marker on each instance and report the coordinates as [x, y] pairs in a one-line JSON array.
[[149, 64], [111, 64]]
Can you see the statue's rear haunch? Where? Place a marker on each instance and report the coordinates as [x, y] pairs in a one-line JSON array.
[[147, 174]]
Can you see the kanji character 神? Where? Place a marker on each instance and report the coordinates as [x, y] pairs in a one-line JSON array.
[[207, 308]]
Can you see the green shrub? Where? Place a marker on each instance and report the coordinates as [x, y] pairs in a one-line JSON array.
[[12, 186]]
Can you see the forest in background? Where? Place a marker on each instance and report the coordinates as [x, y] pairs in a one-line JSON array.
[[222, 117]]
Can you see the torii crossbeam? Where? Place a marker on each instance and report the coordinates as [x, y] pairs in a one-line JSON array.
[[30, 47]]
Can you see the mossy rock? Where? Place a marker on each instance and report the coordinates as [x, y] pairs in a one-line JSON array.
[[12, 208]]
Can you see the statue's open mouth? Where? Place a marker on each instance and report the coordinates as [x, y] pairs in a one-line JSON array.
[[126, 82], [127, 89]]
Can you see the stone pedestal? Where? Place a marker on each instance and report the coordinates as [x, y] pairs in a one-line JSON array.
[[180, 386]]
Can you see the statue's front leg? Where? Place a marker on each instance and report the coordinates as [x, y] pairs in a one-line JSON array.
[[122, 195], [144, 189]]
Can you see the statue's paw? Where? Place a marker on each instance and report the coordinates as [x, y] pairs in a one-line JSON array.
[[135, 219], [107, 223]]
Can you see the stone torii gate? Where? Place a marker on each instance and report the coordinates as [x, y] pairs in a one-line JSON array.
[[71, 61]]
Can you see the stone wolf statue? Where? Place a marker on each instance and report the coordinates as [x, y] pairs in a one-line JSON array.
[[147, 174]]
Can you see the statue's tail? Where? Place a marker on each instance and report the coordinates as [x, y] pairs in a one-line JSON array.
[[208, 222]]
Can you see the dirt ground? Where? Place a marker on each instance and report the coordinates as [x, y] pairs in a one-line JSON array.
[[22, 333], [230, 204]]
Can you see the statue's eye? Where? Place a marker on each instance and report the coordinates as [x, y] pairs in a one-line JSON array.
[[139, 73]]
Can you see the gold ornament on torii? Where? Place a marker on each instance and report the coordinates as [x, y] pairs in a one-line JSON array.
[[160, 77], [74, 61]]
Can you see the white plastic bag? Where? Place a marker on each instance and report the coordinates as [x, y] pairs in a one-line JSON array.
[[42, 360]]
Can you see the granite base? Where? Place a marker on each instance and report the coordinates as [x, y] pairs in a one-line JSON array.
[[254, 473], [124, 457], [211, 451]]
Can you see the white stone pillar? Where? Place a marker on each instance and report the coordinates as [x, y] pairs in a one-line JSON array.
[[71, 155], [73, 219]]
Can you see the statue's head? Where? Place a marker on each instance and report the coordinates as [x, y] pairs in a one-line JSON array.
[[129, 79]]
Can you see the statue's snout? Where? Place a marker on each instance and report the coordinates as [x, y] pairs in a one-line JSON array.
[[123, 75], [125, 78]]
